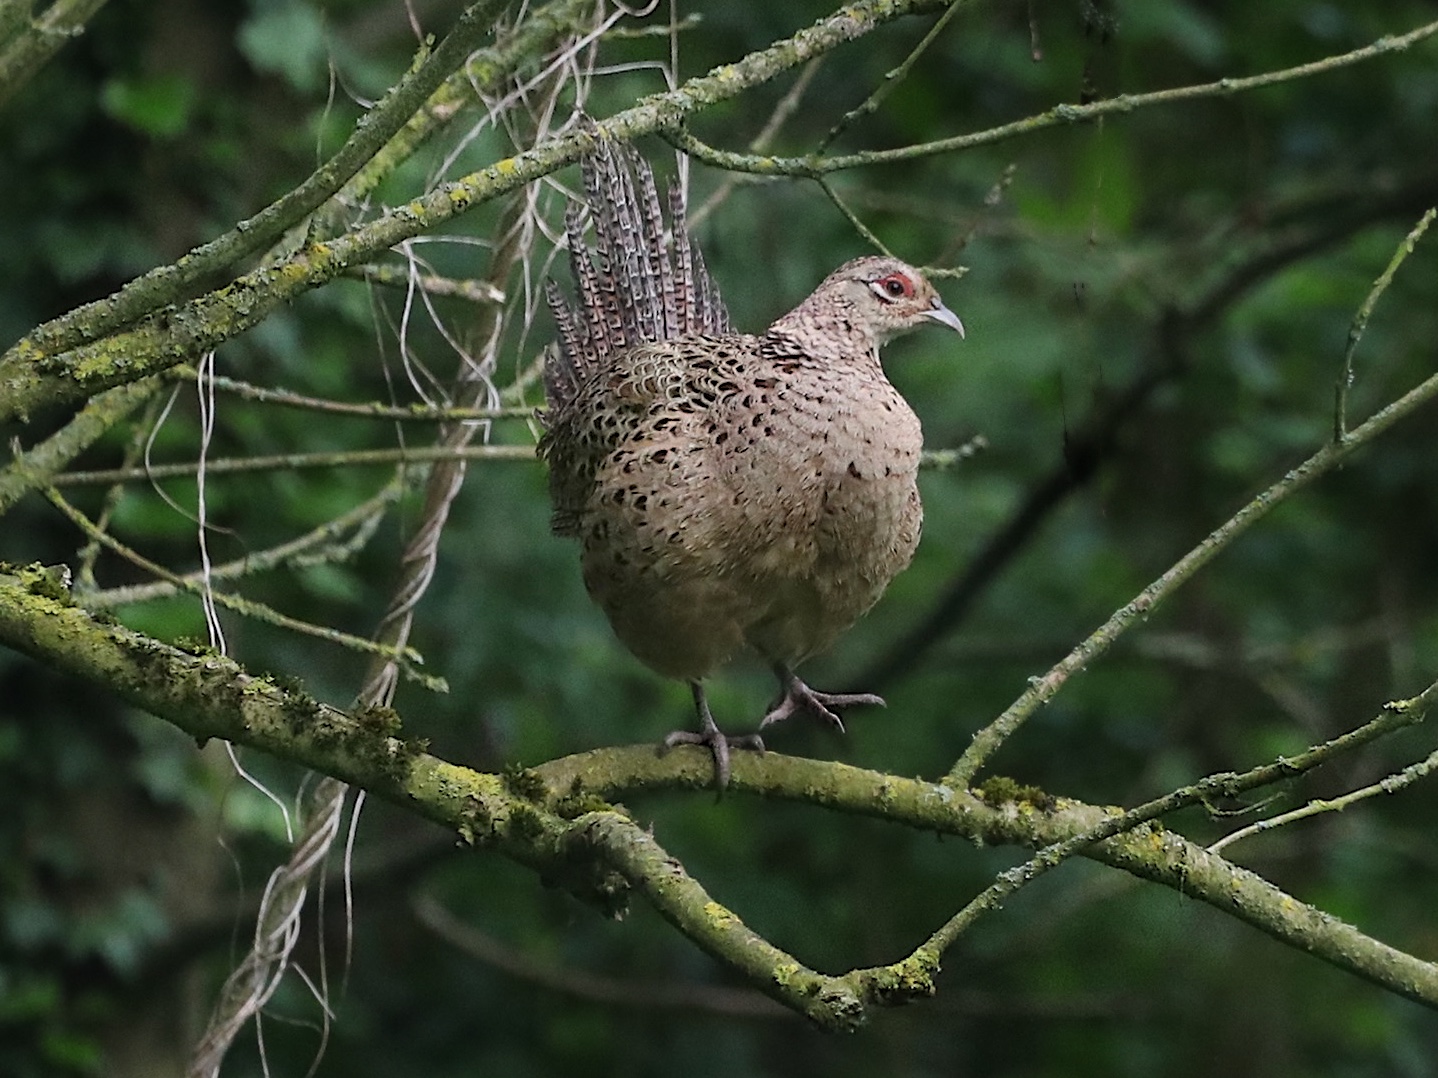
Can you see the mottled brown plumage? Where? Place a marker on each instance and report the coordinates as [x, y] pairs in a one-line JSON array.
[[727, 489]]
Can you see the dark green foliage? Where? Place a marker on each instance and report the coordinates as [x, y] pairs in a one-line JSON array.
[[1157, 307]]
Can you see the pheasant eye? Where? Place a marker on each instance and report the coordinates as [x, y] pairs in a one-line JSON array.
[[894, 286]]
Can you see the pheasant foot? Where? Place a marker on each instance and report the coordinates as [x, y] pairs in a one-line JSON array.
[[796, 696], [711, 737]]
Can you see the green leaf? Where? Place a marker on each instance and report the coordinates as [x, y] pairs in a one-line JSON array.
[[157, 105], [287, 40]]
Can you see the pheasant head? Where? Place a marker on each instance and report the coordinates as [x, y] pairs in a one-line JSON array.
[[861, 305]]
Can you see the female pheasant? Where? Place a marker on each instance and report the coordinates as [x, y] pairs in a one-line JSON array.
[[726, 489]]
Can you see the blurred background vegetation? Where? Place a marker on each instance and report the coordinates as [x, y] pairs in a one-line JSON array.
[[1157, 307]]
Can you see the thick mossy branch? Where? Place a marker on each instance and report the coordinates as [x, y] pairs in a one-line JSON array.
[[1005, 813], [208, 695], [555, 818]]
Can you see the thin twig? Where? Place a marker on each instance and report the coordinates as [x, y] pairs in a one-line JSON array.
[[134, 453], [578, 984], [394, 277], [788, 105], [620, 33], [1360, 322], [367, 458], [1389, 785], [417, 413], [353, 458], [407, 656], [891, 79], [307, 549], [859, 226]]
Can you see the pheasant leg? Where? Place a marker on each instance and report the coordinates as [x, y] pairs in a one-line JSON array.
[[715, 740], [795, 696]]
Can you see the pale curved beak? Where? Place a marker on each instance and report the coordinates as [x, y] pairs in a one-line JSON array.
[[945, 317]]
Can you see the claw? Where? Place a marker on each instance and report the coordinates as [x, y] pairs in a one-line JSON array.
[[711, 737], [799, 697]]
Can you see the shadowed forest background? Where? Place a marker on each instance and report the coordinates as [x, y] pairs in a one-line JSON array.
[[1158, 303]]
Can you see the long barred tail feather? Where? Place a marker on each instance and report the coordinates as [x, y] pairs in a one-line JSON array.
[[632, 288]]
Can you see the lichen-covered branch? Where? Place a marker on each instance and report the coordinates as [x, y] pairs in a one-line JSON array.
[[168, 284], [815, 165], [1003, 812], [46, 367], [211, 696], [26, 42], [555, 819]]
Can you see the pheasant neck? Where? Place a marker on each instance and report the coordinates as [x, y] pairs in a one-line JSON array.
[[830, 333]]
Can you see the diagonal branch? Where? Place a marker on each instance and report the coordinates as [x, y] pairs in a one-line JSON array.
[[334, 540], [43, 463], [1043, 689], [406, 657], [987, 740], [167, 283], [27, 43], [48, 366]]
